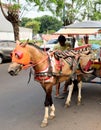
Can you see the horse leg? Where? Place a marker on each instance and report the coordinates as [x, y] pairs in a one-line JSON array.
[[79, 92], [48, 103], [68, 100], [52, 111], [45, 120]]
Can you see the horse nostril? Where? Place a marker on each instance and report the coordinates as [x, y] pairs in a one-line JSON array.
[[11, 73]]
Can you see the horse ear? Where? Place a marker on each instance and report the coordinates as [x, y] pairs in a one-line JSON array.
[[27, 41], [23, 44]]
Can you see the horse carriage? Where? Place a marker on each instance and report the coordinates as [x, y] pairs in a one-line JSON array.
[[95, 64], [53, 67]]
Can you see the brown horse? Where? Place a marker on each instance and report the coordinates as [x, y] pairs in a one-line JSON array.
[[48, 70]]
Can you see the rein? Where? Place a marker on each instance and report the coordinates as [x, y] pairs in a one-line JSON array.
[[33, 65]]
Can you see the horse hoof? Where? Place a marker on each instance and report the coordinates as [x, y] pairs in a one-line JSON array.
[[67, 105], [51, 117], [78, 103], [43, 124]]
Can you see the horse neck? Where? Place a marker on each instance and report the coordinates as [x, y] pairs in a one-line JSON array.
[[38, 58]]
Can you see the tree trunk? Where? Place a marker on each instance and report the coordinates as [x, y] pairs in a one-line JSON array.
[[13, 17], [16, 31]]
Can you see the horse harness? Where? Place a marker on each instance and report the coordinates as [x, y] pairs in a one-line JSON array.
[[68, 56], [71, 57]]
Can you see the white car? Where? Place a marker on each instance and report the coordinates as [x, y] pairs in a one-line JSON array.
[[48, 46]]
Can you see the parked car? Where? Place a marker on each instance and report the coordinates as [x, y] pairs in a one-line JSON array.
[[6, 47], [48, 46]]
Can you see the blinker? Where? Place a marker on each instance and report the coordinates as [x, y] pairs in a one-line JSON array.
[[21, 55], [18, 54]]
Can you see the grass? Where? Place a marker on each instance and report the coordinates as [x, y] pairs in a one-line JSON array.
[[90, 42]]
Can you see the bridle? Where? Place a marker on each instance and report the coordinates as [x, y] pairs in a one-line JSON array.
[[31, 64]]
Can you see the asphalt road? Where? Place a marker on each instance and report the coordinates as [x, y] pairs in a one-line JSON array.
[[22, 105]]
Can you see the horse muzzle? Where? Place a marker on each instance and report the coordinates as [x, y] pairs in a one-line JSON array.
[[14, 69]]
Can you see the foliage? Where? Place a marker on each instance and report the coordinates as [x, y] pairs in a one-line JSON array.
[[49, 24], [44, 24], [24, 20], [14, 7], [34, 25], [67, 11], [11, 13], [96, 13]]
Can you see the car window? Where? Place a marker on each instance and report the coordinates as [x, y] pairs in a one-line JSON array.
[[53, 41]]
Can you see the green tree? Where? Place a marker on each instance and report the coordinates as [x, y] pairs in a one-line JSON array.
[[44, 24], [88, 7], [96, 11], [68, 11], [24, 20], [34, 25], [49, 24], [12, 15], [13, 8], [77, 10]]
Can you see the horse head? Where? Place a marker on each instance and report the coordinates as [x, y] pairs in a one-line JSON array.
[[20, 57], [25, 55]]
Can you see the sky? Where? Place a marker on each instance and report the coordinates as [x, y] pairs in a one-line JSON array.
[[32, 13], [35, 13]]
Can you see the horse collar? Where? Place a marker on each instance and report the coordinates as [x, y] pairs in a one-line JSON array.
[[44, 74]]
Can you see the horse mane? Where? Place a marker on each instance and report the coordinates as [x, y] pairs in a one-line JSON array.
[[36, 46]]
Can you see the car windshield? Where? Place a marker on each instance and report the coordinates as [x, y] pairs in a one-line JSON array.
[[53, 41]]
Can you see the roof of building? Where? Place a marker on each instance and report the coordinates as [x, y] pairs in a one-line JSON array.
[[85, 24], [81, 28]]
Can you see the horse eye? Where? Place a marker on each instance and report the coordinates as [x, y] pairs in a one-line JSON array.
[[17, 56]]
